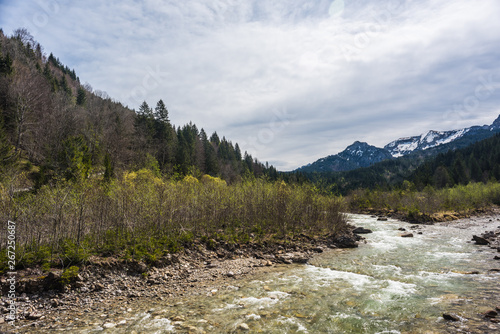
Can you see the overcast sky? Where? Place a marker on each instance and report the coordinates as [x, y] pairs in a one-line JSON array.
[[291, 81]]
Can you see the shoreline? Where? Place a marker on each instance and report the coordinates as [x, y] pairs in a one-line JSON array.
[[106, 285]]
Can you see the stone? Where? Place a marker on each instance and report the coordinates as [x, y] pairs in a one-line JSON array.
[[472, 273], [34, 316], [317, 249], [490, 314], [230, 274], [401, 229], [480, 240], [243, 326], [361, 230], [345, 241], [407, 235], [108, 325], [383, 219], [450, 317], [179, 318]]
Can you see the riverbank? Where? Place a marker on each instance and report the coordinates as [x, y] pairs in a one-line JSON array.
[[436, 217], [105, 286], [106, 291]]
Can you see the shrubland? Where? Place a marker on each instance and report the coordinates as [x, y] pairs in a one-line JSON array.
[[427, 204], [143, 216]]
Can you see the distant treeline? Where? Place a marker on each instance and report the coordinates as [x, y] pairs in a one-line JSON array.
[[479, 162]]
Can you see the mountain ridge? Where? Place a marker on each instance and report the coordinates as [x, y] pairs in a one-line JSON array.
[[361, 154]]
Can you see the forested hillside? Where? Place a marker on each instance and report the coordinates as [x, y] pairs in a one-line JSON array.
[[440, 167], [479, 162], [52, 126]]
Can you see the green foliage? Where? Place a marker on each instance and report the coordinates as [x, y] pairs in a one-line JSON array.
[[7, 153], [75, 159], [460, 198], [81, 96], [45, 267], [5, 64], [69, 275], [109, 170], [476, 163], [142, 216]]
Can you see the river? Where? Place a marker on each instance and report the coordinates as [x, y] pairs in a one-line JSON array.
[[389, 284]]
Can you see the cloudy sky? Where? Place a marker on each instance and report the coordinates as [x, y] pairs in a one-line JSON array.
[[291, 81]]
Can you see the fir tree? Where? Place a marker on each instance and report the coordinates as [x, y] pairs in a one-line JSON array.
[[80, 96], [161, 112]]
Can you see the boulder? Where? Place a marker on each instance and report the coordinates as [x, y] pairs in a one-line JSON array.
[[407, 235], [490, 314], [480, 240], [345, 241], [361, 230], [450, 317]]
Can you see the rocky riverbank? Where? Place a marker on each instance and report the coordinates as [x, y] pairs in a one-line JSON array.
[[423, 218], [102, 288], [489, 238]]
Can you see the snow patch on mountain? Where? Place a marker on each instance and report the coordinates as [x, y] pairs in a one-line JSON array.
[[404, 146]]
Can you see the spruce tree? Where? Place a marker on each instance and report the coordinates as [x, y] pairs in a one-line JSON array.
[[145, 110], [80, 96], [161, 112]]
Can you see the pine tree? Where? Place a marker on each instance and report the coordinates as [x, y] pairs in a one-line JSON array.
[[80, 96], [161, 112], [215, 139], [5, 64], [145, 110], [7, 154]]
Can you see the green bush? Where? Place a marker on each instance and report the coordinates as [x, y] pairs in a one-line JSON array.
[[69, 275], [143, 216]]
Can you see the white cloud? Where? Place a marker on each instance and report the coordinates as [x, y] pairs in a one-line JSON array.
[[370, 72]]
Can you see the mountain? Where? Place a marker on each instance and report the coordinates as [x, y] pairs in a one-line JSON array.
[[405, 146], [431, 143], [357, 155]]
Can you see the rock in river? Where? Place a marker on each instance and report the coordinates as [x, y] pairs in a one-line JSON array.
[[450, 317], [480, 240], [361, 230]]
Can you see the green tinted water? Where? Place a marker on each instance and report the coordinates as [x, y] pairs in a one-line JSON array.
[[388, 285]]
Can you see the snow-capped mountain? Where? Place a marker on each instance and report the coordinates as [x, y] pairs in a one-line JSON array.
[[356, 155], [404, 146], [361, 154]]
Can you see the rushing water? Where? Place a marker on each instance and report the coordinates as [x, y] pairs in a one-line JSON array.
[[389, 284]]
